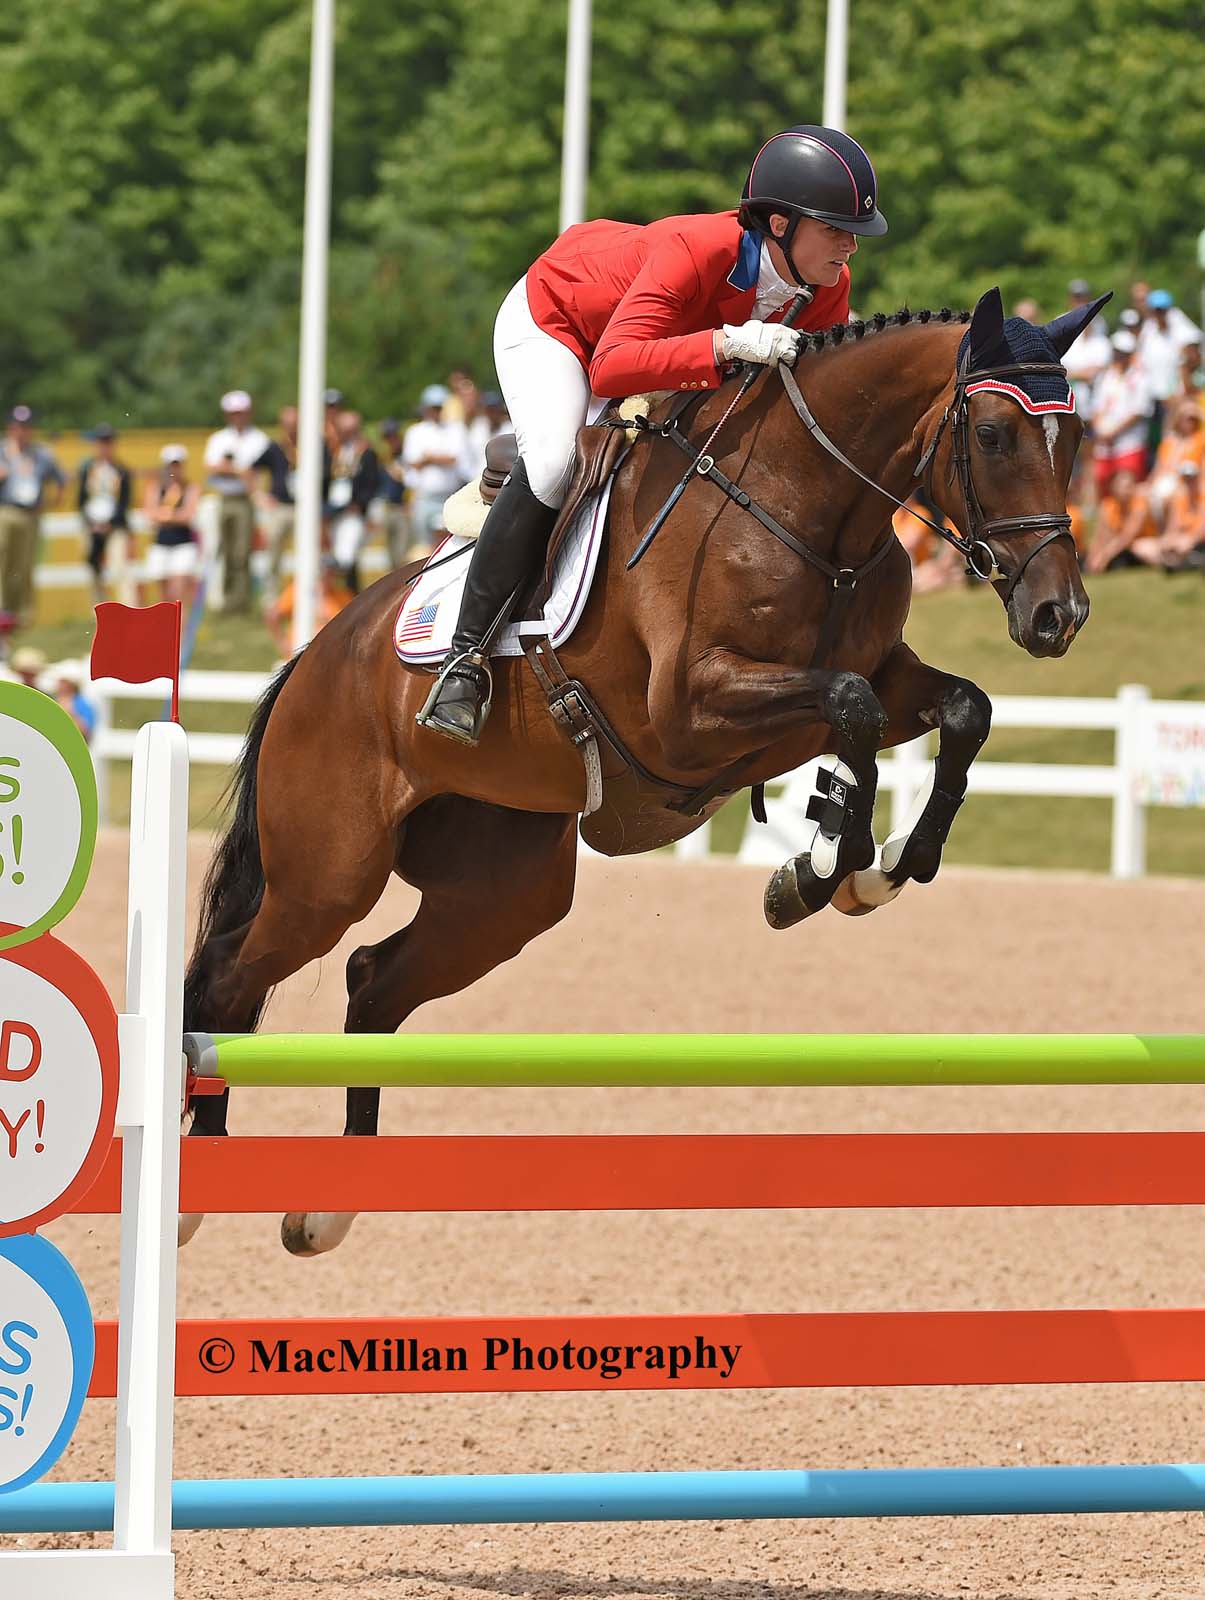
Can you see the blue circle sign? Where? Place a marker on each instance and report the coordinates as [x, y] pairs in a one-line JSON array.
[[47, 1345]]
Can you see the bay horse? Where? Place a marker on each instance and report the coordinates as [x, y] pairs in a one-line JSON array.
[[703, 658]]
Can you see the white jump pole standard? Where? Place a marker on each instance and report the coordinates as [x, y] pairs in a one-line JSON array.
[[836, 63], [312, 375], [575, 137]]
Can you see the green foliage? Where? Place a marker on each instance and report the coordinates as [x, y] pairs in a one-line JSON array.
[[152, 154]]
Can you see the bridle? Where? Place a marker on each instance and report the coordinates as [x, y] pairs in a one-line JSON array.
[[980, 557]]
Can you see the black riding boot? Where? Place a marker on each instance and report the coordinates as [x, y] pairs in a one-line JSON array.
[[513, 538]]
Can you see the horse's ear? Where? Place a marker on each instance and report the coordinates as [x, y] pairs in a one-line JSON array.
[[987, 330], [1065, 330]]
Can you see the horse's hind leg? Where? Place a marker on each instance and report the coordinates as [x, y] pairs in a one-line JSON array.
[[492, 879], [917, 698]]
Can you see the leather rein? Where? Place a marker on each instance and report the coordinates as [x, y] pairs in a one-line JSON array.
[[981, 559]]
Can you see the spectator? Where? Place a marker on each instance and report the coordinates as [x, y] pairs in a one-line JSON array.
[[104, 507], [464, 397], [1139, 294], [1029, 310], [400, 540], [1130, 320], [1122, 519], [490, 421], [29, 478], [1183, 542], [1183, 442], [1121, 409], [1164, 333], [430, 453], [333, 595], [67, 680], [354, 477], [28, 663], [1090, 354], [278, 500], [935, 564], [230, 456], [170, 506], [332, 401]]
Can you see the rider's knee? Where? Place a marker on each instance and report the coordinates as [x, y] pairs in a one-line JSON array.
[[549, 464], [852, 708]]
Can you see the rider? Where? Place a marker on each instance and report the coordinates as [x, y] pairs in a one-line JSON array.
[[614, 309]]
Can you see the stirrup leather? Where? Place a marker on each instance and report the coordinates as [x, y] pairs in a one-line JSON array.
[[479, 676]]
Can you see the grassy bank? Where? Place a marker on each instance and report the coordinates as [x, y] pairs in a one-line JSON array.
[[1145, 628]]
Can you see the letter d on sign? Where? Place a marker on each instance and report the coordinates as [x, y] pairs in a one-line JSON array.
[[20, 1030]]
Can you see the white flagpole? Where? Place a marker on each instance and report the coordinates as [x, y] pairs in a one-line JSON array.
[[312, 374], [575, 137], [836, 63]]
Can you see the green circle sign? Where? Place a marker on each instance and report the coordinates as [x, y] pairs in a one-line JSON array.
[[47, 813]]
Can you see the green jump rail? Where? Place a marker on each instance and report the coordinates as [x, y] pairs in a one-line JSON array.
[[700, 1060]]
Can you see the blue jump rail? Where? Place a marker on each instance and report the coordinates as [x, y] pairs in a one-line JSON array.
[[623, 1497]]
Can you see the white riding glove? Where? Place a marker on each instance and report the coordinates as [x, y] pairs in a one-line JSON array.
[[763, 342]]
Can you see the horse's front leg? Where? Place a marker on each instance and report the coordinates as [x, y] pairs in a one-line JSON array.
[[917, 698], [734, 706]]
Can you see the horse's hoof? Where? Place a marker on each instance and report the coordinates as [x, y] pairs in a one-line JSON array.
[[187, 1224], [794, 893], [313, 1233], [860, 892]]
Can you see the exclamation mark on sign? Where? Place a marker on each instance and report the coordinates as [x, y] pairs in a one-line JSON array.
[[18, 833], [40, 1114], [26, 1402]]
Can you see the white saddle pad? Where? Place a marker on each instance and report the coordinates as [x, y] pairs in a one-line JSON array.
[[423, 631]]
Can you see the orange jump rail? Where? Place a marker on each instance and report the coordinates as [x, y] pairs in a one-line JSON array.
[[404, 1355], [624, 1172]]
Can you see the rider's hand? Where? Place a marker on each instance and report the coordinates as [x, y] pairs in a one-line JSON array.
[[762, 342]]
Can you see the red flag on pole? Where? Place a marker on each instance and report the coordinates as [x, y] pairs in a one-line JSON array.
[[139, 643]]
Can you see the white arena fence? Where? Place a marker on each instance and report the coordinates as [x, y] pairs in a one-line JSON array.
[[1158, 758]]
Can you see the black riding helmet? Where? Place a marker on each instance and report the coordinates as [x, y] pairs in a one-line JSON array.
[[808, 171]]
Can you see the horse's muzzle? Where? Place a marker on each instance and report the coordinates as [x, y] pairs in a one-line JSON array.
[[1051, 626]]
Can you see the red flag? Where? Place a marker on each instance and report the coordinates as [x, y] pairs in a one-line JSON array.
[[138, 643]]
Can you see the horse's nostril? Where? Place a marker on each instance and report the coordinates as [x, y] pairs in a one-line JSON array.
[[1048, 620]]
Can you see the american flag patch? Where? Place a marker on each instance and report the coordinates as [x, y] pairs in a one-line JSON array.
[[418, 625]]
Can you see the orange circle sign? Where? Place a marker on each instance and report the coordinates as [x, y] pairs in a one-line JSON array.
[[58, 1081]]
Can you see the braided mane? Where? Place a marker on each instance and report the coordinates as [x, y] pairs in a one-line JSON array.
[[844, 332]]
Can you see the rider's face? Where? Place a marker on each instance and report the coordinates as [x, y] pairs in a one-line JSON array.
[[818, 250]]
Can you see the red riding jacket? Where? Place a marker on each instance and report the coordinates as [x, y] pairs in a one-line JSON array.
[[638, 305]]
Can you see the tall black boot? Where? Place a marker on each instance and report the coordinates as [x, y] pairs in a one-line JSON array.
[[513, 539]]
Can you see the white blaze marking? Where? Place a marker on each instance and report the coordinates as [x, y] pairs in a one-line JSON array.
[[1050, 427]]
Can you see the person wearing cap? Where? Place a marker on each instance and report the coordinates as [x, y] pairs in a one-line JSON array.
[[1121, 409], [332, 404], [1164, 333], [103, 497], [170, 507], [614, 309], [231, 455], [353, 485], [30, 480], [27, 664], [400, 541], [1090, 354], [66, 685], [431, 453]]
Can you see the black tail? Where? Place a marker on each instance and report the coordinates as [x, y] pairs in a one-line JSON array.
[[234, 884]]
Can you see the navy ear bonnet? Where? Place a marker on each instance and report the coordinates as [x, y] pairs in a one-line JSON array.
[[1040, 393], [994, 340]]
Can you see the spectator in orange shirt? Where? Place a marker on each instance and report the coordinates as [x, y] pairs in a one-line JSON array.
[[1181, 547], [935, 564], [1122, 517], [1183, 443]]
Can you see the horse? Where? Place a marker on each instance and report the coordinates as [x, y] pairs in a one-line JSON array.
[[762, 628]]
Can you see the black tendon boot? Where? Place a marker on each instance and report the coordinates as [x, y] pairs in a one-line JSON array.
[[513, 538]]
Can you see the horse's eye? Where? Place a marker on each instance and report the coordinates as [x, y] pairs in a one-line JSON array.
[[988, 438]]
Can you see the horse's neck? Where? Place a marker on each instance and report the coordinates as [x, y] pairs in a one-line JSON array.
[[871, 400]]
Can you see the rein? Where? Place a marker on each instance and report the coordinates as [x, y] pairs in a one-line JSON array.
[[981, 560]]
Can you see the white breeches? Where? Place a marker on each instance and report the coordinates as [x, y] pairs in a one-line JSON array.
[[547, 395]]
